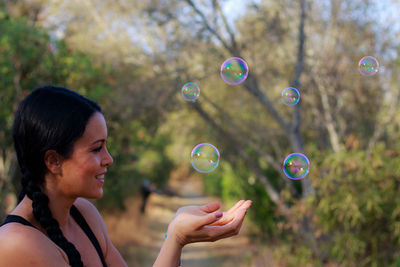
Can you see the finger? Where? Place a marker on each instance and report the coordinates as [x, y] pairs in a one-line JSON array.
[[246, 205], [229, 215], [224, 220], [234, 232], [237, 205], [210, 207], [217, 232], [208, 219]]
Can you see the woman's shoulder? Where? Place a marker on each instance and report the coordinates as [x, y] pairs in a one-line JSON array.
[[86, 207], [93, 218], [22, 245], [89, 212], [95, 221]]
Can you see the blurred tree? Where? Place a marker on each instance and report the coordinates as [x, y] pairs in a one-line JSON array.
[[22, 49]]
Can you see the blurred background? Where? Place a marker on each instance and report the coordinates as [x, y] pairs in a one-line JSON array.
[[134, 56]]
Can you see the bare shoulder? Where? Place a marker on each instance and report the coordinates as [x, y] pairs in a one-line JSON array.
[[22, 245], [86, 206], [95, 221], [89, 211], [93, 218]]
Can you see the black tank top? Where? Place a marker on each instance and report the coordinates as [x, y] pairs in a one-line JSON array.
[[80, 220]]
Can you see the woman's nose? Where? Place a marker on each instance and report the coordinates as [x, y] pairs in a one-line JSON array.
[[108, 160]]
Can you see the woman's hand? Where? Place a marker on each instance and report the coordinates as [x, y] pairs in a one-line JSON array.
[[230, 215], [203, 223]]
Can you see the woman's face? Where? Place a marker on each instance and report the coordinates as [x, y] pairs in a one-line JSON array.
[[83, 173]]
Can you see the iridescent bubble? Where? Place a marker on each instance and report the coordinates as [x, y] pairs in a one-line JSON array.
[[290, 96], [204, 158], [368, 66], [234, 70], [296, 166], [190, 91]]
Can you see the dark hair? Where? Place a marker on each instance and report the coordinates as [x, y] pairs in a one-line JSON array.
[[50, 118]]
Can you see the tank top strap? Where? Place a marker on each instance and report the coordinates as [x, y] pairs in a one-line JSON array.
[[78, 217], [80, 220], [18, 219]]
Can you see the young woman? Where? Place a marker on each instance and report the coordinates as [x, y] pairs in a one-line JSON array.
[[60, 140]]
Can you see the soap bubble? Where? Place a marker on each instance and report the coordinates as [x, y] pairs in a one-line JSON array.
[[296, 166], [290, 96], [234, 70], [368, 66], [204, 158], [190, 91]]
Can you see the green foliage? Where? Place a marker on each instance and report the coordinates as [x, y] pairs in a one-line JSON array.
[[213, 182], [355, 210], [138, 155], [236, 183], [364, 207], [21, 48], [262, 212]]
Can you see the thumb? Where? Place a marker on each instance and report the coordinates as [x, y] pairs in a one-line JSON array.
[[209, 218], [210, 207]]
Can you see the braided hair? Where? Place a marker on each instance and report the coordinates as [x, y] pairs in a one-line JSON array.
[[50, 118]]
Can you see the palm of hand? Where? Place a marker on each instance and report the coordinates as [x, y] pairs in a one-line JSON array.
[[193, 213], [189, 213], [230, 215], [200, 223]]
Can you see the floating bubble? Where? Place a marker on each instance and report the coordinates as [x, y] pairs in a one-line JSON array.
[[234, 70], [190, 91], [204, 158], [290, 96], [296, 166], [368, 66]]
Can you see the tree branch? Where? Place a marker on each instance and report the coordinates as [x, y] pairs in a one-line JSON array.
[[251, 84], [227, 27], [226, 117], [208, 27], [296, 82], [387, 118], [269, 158], [295, 134], [327, 112]]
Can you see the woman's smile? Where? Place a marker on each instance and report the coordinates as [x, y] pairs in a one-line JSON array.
[[100, 177]]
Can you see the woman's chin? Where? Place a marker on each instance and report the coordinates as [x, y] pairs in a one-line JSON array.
[[94, 195]]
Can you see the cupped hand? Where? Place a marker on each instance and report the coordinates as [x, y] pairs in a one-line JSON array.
[[204, 223], [232, 213]]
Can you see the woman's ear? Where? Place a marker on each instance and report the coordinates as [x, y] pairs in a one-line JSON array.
[[53, 161]]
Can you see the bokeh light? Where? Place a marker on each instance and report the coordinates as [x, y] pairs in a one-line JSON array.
[[234, 70], [296, 166], [204, 158]]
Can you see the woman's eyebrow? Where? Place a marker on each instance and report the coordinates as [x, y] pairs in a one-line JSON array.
[[100, 140]]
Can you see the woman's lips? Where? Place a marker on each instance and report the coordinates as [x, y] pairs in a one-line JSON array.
[[100, 178]]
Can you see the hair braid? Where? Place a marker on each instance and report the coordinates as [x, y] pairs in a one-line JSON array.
[[24, 183], [42, 213]]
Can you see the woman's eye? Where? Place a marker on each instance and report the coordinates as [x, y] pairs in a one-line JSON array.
[[97, 149]]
